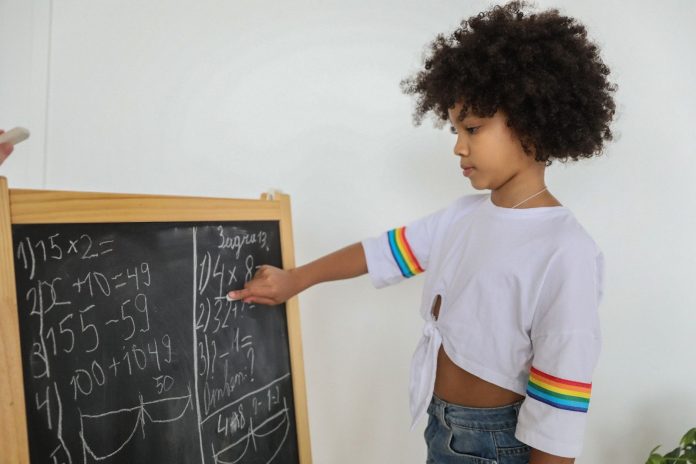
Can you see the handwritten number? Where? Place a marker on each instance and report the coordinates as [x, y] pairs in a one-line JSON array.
[[134, 276], [88, 326], [47, 404], [38, 351], [155, 352], [55, 246], [43, 247], [21, 253], [142, 307], [168, 343], [145, 269], [67, 331], [85, 255], [250, 268], [130, 318]]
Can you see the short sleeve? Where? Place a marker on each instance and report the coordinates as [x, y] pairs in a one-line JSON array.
[[566, 343], [402, 252]]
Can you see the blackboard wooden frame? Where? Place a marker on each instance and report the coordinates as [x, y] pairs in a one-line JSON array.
[[24, 206]]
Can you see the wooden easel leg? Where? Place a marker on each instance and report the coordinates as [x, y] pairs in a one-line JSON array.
[[13, 423]]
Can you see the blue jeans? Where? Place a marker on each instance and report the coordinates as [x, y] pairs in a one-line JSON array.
[[466, 435]]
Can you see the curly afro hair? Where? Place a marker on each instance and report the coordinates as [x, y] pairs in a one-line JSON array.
[[540, 70]]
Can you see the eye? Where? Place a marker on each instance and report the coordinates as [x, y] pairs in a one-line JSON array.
[[471, 129]]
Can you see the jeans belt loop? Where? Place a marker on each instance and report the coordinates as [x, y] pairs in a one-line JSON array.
[[441, 409]]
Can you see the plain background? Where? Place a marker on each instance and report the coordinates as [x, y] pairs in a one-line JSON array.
[[231, 98]]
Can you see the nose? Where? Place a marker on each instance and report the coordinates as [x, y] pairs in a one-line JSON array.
[[461, 147]]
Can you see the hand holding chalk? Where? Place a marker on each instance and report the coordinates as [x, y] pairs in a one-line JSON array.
[[9, 139]]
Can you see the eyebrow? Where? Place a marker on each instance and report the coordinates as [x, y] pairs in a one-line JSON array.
[[468, 116]]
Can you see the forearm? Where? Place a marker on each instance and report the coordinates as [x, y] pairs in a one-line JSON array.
[[345, 263], [539, 457]]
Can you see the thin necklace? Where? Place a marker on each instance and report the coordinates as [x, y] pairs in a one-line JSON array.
[[518, 204]]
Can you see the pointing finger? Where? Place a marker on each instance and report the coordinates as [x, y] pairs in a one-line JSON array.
[[251, 289]]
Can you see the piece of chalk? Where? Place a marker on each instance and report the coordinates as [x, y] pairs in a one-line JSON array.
[[14, 136], [228, 298]]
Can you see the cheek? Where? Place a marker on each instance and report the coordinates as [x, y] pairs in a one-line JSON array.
[[490, 175]]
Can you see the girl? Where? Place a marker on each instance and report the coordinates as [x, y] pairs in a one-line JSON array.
[[514, 282]]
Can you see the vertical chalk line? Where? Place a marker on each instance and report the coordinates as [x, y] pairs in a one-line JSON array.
[[195, 350]]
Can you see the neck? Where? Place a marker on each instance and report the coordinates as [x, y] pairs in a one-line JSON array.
[[520, 187]]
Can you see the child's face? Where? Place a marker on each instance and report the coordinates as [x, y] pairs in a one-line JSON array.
[[491, 147]]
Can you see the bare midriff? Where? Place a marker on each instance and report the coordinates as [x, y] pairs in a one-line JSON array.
[[458, 386]]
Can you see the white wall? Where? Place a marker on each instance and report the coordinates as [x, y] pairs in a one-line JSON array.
[[230, 98]]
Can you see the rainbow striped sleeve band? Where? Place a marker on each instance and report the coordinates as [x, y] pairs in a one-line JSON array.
[[402, 253], [559, 393]]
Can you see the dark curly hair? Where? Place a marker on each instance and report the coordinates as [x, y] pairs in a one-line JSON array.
[[540, 70]]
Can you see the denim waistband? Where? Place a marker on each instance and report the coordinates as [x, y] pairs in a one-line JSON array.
[[490, 419]]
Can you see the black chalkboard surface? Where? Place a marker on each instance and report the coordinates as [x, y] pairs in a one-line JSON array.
[[131, 353]]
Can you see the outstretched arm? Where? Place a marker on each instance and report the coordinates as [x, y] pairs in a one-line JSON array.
[[272, 285]]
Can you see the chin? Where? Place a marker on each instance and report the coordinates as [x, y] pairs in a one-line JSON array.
[[478, 186]]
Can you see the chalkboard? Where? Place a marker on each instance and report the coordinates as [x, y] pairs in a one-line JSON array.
[[131, 353]]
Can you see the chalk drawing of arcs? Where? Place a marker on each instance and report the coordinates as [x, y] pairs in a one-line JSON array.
[[159, 411]]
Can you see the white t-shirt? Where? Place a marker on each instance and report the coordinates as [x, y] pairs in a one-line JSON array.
[[520, 293]]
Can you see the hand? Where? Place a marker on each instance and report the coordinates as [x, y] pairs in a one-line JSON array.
[[269, 286], [5, 149]]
